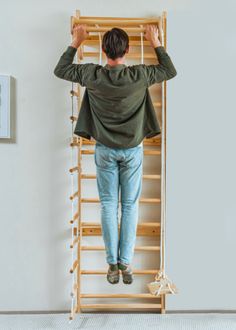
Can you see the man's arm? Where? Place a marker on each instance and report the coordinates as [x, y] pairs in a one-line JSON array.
[[65, 69], [165, 69]]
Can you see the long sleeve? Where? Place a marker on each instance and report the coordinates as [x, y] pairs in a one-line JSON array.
[[164, 70], [65, 69]]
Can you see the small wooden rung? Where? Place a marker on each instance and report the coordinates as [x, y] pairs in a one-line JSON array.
[[135, 271], [73, 118], [75, 241], [74, 195], [157, 104], [121, 306], [75, 217], [73, 169], [118, 295], [75, 265]]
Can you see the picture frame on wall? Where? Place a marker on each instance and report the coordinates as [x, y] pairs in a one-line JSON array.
[[5, 106]]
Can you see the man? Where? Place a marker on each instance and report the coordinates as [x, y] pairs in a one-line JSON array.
[[118, 113]]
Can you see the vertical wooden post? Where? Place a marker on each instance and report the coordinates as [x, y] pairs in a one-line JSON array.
[[164, 27], [79, 232]]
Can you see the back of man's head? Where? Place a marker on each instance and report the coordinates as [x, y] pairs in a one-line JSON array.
[[115, 42]]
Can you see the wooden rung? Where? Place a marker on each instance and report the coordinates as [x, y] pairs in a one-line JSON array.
[[149, 224], [73, 169], [98, 224], [151, 176], [145, 176], [95, 37], [125, 28], [118, 295], [115, 18], [141, 200], [137, 248], [146, 152], [75, 241], [102, 272], [151, 152], [112, 22], [97, 200], [128, 55], [144, 229], [75, 265], [147, 142], [88, 176], [75, 217], [121, 306], [74, 195], [132, 42]]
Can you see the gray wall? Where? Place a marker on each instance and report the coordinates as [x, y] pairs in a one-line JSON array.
[[35, 183]]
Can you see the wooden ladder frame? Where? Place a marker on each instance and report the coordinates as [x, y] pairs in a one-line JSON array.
[[80, 228]]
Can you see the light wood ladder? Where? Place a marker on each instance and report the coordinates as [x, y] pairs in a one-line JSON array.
[[81, 228]]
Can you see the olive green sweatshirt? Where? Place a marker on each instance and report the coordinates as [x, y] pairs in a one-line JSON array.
[[116, 108]]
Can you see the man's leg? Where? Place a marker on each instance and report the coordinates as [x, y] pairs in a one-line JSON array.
[[130, 177], [108, 190]]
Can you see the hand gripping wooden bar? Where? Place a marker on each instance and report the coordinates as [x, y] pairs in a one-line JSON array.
[[128, 24]]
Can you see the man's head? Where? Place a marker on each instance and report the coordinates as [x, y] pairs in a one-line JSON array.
[[115, 43]]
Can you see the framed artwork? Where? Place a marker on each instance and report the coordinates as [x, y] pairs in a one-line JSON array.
[[5, 103]]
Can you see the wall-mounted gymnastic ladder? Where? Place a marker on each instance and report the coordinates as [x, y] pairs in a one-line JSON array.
[[135, 28]]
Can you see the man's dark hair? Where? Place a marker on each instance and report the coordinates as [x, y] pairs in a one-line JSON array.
[[115, 42]]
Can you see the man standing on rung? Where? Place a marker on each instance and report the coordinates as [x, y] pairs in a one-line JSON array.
[[118, 113]]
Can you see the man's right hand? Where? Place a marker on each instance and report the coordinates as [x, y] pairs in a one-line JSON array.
[[79, 33], [151, 34]]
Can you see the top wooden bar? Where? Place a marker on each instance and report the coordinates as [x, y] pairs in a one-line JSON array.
[[117, 18], [102, 24], [116, 21]]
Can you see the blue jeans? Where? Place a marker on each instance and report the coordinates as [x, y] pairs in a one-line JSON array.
[[119, 171]]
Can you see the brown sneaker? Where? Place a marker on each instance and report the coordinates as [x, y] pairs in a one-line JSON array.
[[126, 273], [113, 274]]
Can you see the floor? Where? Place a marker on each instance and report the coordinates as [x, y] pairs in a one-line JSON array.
[[210, 321]]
